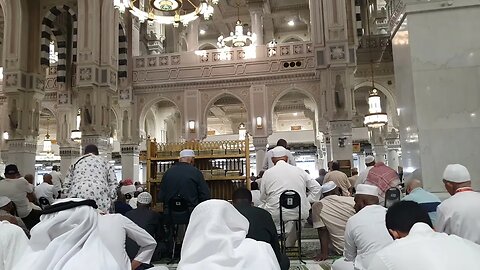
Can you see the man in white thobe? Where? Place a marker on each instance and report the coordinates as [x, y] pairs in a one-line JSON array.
[[365, 233], [57, 180], [282, 177], [419, 247], [13, 244], [268, 163], [362, 177], [459, 214], [46, 189]]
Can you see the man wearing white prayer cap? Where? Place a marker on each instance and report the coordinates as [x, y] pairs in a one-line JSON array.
[[68, 238], [365, 232], [216, 239], [185, 181], [458, 214], [13, 244], [282, 177], [362, 177], [268, 163], [330, 216], [7, 208]]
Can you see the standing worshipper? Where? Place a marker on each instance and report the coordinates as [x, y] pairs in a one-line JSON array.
[[330, 216], [283, 177], [68, 238], [362, 177], [216, 239], [383, 177], [365, 233], [419, 247], [459, 214], [57, 180], [185, 181], [267, 163], [415, 192], [339, 178], [92, 177], [13, 245], [16, 188], [46, 189]]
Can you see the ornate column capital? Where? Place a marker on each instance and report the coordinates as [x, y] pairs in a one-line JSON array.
[[130, 149], [70, 151], [260, 143]]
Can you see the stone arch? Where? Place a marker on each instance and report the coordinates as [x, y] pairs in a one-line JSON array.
[[207, 46], [297, 38], [47, 28], [146, 107]]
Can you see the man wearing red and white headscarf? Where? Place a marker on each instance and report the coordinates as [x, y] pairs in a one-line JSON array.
[[383, 177]]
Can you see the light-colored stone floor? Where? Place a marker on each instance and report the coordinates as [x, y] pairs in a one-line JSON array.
[[295, 265]]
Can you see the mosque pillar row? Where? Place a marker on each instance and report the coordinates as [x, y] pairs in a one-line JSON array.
[[260, 144]]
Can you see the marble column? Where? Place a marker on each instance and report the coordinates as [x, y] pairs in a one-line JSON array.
[[437, 89], [68, 155], [260, 144], [361, 163], [256, 17], [192, 35], [130, 161], [380, 151], [328, 150], [392, 159], [22, 152], [316, 21], [341, 139]]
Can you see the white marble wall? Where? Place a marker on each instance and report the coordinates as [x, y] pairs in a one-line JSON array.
[[437, 68]]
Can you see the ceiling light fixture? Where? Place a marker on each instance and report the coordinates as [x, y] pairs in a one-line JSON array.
[[237, 38], [291, 23], [168, 11], [202, 32]]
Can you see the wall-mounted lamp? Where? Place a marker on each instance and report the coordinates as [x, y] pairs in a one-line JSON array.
[[191, 126], [5, 135], [259, 122]]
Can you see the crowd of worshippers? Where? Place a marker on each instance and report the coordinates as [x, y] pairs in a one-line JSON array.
[[90, 220]]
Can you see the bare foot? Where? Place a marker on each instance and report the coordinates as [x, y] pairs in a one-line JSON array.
[[320, 257]]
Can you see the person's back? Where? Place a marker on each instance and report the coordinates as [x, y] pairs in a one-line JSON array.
[[45, 190], [13, 244], [427, 200], [425, 249], [383, 177], [340, 179], [17, 190], [458, 215], [186, 181]]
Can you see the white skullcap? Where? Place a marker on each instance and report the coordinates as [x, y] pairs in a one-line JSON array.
[[128, 189], [456, 173], [187, 153], [369, 159], [4, 201], [140, 189], [279, 151], [364, 189], [144, 198], [329, 186]]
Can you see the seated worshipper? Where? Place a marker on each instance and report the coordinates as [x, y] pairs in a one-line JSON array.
[[353, 179], [383, 177], [261, 227], [459, 214], [121, 206], [32, 198], [46, 189], [362, 177], [365, 233], [114, 230], [185, 181], [57, 181], [339, 178], [330, 216], [13, 244], [148, 220], [16, 188], [68, 238], [419, 247], [216, 239], [268, 163], [7, 209], [255, 194], [321, 176], [283, 177], [415, 192], [92, 177]]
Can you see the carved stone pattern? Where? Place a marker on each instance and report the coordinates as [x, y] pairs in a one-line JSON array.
[[63, 98], [140, 63], [152, 62], [204, 58], [175, 59], [85, 74], [11, 80], [298, 49], [309, 48], [241, 55], [337, 53], [124, 94], [113, 78], [163, 61], [285, 50], [129, 149]]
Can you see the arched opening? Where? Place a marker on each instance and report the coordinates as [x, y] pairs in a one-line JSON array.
[[163, 122], [207, 46], [227, 119], [47, 147]]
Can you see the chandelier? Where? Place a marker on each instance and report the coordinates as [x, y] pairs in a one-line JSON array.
[[376, 118], [168, 11], [237, 38]]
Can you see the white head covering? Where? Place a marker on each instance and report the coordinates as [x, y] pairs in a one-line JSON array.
[[4, 201], [67, 240], [279, 151], [216, 240], [364, 189], [369, 159], [144, 198], [456, 173], [328, 186], [128, 189], [13, 245], [187, 153]]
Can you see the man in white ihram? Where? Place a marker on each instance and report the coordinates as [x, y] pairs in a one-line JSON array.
[[281, 177], [459, 214], [365, 233]]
